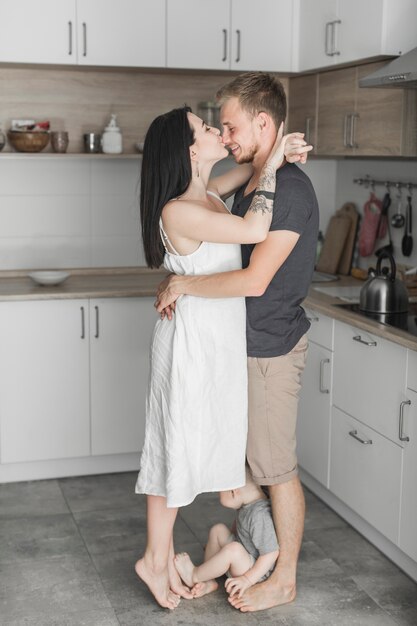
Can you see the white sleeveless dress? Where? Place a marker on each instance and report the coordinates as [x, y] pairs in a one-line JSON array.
[[196, 408]]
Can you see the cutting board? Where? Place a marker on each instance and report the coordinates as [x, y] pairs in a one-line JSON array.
[[345, 263], [334, 242]]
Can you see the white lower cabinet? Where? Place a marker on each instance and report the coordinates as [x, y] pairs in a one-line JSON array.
[[365, 472], [44, 380], [408, 518], [313, 422], [369, 378], [73, 377], [120, 335], [412, 369]]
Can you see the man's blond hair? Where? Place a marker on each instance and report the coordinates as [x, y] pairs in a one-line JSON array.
[[257, 92]]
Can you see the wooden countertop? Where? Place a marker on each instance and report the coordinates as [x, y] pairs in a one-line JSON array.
[[122, 282], [323, 303], [132, 282]]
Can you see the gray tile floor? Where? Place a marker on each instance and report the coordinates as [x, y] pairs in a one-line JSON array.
[[67, 549]]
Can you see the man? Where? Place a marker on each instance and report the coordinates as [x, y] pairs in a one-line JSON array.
[[275, 279]]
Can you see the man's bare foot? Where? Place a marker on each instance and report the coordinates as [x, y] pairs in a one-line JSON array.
[[158, 584], [176, 583], [202, 589], [185, 568], [263, 596]]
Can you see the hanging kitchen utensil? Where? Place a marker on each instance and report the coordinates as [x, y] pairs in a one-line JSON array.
[[386, 203], [398, 219], [370, 225], [407, 240]]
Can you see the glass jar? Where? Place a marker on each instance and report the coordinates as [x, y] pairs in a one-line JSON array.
[[2, 139]]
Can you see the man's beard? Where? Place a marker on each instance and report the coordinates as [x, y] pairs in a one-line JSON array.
[[248, 156]]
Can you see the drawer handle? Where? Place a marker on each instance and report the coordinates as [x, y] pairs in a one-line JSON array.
[[401, 435], [354, 434], [322, 388], [366, 343], [312, 318]]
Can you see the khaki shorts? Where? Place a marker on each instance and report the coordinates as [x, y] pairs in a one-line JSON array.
[[274, 385]]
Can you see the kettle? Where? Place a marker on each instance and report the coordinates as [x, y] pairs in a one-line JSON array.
[[382, 292]]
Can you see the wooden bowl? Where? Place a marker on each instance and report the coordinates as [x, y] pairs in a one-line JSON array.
[[27, 141]]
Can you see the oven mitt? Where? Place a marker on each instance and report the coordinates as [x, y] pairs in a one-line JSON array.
[[372, 226]]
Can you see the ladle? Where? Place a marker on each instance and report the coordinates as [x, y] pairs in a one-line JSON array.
[[398, 219], [407, 240]]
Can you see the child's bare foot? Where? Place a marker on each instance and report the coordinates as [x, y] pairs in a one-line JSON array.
[[158, 584], [202, 589], [175, 582], [185, 568]]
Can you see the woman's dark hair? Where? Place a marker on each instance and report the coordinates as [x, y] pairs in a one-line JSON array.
[[166, 174]]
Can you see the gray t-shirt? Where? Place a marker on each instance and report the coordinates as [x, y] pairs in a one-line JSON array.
[[255, 528], [276, 320]]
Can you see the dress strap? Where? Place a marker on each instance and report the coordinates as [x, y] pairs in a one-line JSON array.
[[165, 239]]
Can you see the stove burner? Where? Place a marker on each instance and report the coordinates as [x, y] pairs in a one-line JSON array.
[[402, 321]]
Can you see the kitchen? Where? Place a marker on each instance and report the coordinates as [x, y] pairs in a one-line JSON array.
[[79, 212]]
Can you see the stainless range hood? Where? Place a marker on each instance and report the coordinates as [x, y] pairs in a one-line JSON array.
[[401, 72]]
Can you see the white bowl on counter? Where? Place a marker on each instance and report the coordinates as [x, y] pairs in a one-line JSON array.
[[48, 277]]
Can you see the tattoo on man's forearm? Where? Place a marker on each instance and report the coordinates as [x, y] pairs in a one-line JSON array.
[[261, 204], [267, 179]]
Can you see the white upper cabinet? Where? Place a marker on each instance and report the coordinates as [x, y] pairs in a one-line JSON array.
[[88, 32], [38, 32], [198, 34], [230, 34], [262, 35], [126, 33], [343, 31]]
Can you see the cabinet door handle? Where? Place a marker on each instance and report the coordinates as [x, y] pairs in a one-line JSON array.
[[97, 323], [365, 343], [353, 118], [322, 364], [327, 49], [401, 435], [70, 38], [82, 323], [238, 46], [85, 39], [224, 45], [354, 434], [333, 25], [346, 123], [307, 129]]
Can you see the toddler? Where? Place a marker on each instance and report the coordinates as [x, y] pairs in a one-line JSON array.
[[247, 557]]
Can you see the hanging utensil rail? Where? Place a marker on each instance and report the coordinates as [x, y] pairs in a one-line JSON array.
[[371, 182]]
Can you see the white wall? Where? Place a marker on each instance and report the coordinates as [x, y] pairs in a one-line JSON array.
[[69, 212], [80, 212], [333, 181]]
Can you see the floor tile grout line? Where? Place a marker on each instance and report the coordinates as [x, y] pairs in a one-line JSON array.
[[89, 554], [375, 601]]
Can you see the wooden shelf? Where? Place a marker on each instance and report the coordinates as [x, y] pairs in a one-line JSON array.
[[67, 155]]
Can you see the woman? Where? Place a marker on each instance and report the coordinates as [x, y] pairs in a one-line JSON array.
[[197, 399]]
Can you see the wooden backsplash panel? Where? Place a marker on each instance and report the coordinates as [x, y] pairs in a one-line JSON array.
[[81, 100]]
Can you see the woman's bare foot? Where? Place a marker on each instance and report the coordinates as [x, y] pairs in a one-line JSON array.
[[202, 589], [185, 568], [176, 583], [158, 584]]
